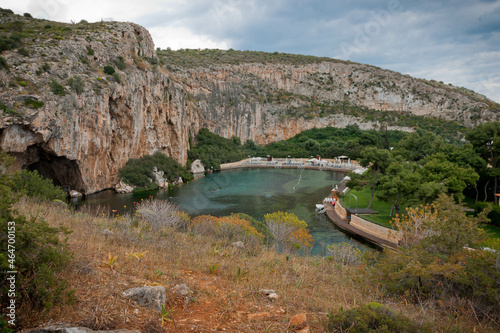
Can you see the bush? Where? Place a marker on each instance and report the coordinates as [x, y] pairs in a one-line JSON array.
[[9, 43], [109, 70], [3, 63], [90, 51], [27, 15], [288, 231], [33, 103], [345, 254], [373, 317], [493, 215], [77, 85], [139, 172], [30, 183], [23, 51], [161, 214], [57, 88], [43, 254], [120, 63], [228, 228]]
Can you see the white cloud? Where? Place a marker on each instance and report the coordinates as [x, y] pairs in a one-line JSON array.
[[182, 38]]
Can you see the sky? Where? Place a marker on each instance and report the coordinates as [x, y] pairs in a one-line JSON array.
[[454, 41]]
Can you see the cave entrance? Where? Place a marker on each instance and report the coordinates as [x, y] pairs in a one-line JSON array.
[[63, 171]]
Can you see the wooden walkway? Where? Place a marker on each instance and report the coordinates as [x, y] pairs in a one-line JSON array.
[[343, 225]]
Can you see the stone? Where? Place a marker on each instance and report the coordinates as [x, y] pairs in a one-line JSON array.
[[197, 167], [159, 179], [270, 294], [68, 328], [122, 187], [75, 194], [181, 289], [298, 323], [178, 181], [152, 297], [238, 244]]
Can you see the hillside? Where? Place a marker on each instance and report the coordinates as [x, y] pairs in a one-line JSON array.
[[79, 100]]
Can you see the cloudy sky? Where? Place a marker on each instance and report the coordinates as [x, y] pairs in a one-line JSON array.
[[455, 41]]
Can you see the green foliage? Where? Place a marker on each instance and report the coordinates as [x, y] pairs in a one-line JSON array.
[[116, 77], [90, 51], [288, 231], [139, 172], [441, 257], [27, 15], [30, 183], [109, 70], [373, 317], [10, 42], [493, 215], [33, 103], [77, 85], [57, 88], [23, 51], [260, 226], [3, 63], [214, 150], [43, 253]]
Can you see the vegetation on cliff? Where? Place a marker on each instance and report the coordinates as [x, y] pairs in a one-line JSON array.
[[139, 172]]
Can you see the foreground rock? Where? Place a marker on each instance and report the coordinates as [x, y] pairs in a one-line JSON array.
[[151, 297], [67, 328], [122, 187], [197, 167]]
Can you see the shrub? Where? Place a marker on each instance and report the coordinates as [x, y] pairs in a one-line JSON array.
[[77, 85], [228, 228], [161, 214], [90, 51], [3, 63], [288, 231], [57, 88], [373, 317], [120, 63], [23, 51], [27, 15], [9, 43], [33, 103], [345, 254], [116, 77], [32, 184], [43, 253], [493, 215], [109, 70]]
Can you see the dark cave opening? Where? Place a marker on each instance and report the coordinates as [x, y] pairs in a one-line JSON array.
[[63, 171]]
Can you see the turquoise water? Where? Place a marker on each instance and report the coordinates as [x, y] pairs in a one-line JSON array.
[[255, 192]]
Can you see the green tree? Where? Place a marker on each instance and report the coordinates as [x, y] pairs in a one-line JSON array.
[[486, 141], [399, 184], [312, 147]]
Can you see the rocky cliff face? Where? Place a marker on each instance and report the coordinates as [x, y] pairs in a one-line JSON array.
[[63, 113]]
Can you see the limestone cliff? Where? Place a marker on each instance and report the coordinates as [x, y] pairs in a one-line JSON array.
[[64, 113]]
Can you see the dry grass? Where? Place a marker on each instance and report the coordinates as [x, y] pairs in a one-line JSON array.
[[227, 299]]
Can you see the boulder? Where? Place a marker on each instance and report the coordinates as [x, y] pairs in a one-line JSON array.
[[197, 167], [67, 328], [269, 293], [178, 181], [122, 187], [159, 178], [75, 194], [151, 297]]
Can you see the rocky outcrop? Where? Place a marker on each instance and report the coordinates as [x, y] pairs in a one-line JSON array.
[[152, 297], [197, 167], [63, 116]]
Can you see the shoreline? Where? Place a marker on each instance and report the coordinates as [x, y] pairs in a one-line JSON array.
[[294, 163]]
